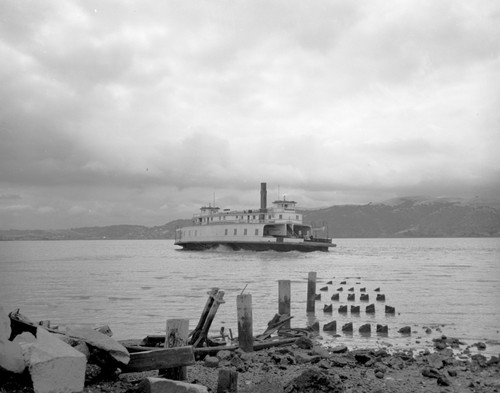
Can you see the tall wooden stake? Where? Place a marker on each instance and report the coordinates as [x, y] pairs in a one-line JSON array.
[[284, 300], [176, 336], [311, 291], [245, 322]]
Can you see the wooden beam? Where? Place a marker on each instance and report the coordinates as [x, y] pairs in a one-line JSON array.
[[160, 359]]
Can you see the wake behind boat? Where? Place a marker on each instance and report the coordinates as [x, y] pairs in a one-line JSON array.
[[278, 228]]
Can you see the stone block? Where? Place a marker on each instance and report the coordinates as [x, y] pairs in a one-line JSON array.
[[161, 385], [54, 366], [327, 308]]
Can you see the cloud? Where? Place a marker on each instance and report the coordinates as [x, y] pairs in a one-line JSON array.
[[111, 111]]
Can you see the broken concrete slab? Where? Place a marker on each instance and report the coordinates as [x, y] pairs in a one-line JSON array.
[[161, 385], [54, 366], [100, 341], [11, 356]]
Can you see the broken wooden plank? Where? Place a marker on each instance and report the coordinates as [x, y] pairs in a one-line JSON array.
[[208, 305], [218, 299], [275, 324], [159, 359]]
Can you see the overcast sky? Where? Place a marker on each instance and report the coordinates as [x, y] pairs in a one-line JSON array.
[[124, 112]]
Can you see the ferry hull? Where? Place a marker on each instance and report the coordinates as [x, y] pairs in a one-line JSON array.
[[256, 246]]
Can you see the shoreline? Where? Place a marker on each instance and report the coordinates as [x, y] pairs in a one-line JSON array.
[[309, 366]]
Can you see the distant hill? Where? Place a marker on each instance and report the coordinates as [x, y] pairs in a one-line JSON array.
[[113, 232], [411, 217], [400, 217]]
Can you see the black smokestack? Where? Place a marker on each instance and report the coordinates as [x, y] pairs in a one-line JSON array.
[[263, 197]]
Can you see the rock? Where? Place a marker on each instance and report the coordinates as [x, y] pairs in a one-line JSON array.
[[355, 309], [443, 381], [379, 374], [11, 357], [428, 330], [347, 327], [304, 342], [377, 289], [224, 355], [362, 357], [105, 329], [323, 289], [390, 310], [340, 289], [366, 328], [430, 372], [343, 310], [452, 372], [380, 297], [351, 289], [212, 361], [335, 296], [100, 341], [405, 330], [339, 349], [54, 366], [362, 289], [481, 346], [440, 345], [314, 380], [327, 308], [435, 361], [329, 283], [161, 385], [343, 282], [364, 297], [370, 309], [302, 358], [382, 329], [330, 326], [317, 296], [351, 297], [314, 327]]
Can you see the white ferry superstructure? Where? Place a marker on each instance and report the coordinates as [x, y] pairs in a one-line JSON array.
[[278, 228]]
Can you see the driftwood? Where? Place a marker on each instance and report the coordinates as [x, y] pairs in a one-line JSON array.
[[156, 359], [137, 349], [274, 325]]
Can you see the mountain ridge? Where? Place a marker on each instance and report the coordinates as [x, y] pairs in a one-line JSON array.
[[413, 216]]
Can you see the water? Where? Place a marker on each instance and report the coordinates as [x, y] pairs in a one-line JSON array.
[[449, 285]]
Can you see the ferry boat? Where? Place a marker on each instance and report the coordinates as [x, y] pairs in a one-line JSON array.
[[278, 228]]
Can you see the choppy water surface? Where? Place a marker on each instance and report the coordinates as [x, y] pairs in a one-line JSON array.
[[450, 285]]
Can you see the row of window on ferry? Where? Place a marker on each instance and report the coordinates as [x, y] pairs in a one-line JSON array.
[[226, 232], [223, 218]]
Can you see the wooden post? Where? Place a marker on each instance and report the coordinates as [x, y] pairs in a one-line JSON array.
[[284, 300], [245, 322], [176, 336], [311, 291], [228, 381]]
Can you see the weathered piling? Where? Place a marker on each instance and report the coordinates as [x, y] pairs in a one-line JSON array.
[[228, 381], [245, 322], [284, 300], [177, 332], [311, 291]]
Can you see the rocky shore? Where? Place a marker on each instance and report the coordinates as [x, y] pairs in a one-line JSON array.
[[306, 366]]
